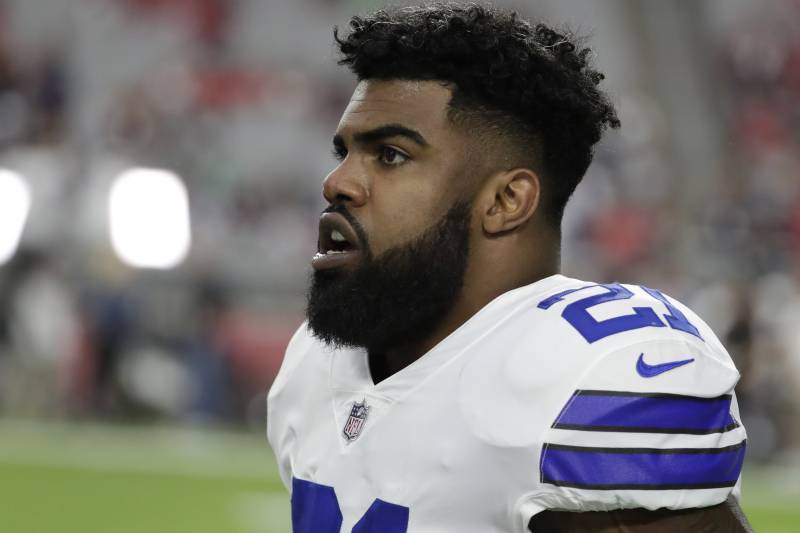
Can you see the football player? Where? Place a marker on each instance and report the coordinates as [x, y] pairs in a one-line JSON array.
[[448, 378]]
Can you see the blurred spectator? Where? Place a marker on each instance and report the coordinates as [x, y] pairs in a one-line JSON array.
[[43, 333], [13, 107], [207, 356], [111, 328], [49, 88]]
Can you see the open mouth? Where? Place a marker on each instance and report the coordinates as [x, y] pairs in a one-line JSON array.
[[338, 244]]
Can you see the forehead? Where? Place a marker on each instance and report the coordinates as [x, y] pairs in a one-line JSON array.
[[421, 105]]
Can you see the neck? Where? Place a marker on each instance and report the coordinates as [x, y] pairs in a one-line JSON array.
[[479, 289]]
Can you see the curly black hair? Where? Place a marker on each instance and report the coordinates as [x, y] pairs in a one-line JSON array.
[[530, 80]]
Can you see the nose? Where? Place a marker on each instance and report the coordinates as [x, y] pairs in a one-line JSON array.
[[340, 186]]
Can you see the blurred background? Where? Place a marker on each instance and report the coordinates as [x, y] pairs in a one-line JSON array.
[[160, 180]]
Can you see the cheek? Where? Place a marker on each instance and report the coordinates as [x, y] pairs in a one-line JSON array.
[[406, 202], [401, 218], [396, 229]]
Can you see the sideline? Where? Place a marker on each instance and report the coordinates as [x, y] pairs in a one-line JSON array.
[[184, 451]]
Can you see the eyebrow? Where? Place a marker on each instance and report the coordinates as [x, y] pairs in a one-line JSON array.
[[383, 132]]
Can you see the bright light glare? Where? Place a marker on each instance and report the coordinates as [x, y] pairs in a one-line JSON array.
[[149, 218], [15, 203]]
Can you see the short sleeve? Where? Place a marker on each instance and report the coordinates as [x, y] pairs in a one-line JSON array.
[[652, 425]]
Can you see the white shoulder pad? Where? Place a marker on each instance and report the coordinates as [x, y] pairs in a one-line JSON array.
[[514, 379]]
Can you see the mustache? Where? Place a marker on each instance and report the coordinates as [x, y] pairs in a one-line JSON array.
[[357, 227]]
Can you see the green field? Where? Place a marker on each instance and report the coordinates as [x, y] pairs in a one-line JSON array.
[[59, 478]]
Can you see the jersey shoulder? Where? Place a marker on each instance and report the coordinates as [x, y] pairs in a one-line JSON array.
[[640, 339], [624, 395], [649, 419], [608, 315], [575, 335], [599, 327]]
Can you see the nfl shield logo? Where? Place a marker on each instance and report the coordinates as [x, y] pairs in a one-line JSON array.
[[355, 422]]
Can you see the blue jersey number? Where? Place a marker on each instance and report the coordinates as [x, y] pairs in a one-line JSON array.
[[315, 509], [577, 313]]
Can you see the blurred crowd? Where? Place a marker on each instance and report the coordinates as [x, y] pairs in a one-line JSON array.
[[223, 94]]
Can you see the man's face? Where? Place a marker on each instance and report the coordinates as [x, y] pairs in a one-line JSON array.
[[400, 199]]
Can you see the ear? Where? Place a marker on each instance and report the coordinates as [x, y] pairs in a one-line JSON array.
[[512, 197]]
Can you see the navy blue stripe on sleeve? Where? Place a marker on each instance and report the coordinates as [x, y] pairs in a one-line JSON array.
[[641, 468], [590, 410]]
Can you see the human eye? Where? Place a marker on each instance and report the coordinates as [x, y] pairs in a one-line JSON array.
[[339, 152], [391, 157]]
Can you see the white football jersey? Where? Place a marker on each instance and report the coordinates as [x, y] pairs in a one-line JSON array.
[[562, 394]]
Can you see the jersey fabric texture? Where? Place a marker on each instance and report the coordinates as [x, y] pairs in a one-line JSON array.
[[562, 394]]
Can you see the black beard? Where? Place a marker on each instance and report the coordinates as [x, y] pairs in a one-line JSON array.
[[397, 297]]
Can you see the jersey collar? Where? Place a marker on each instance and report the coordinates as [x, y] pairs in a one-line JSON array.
[[350, 367]]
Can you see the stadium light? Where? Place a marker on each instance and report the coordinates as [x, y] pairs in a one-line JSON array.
[[149, 218], [15, 203]]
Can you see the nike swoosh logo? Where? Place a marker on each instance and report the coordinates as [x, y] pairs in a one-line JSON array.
[[649, 371]]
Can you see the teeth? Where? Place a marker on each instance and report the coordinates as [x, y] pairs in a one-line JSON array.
[[337, 237]]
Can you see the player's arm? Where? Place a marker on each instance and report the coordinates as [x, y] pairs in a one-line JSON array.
[[723, 518]]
